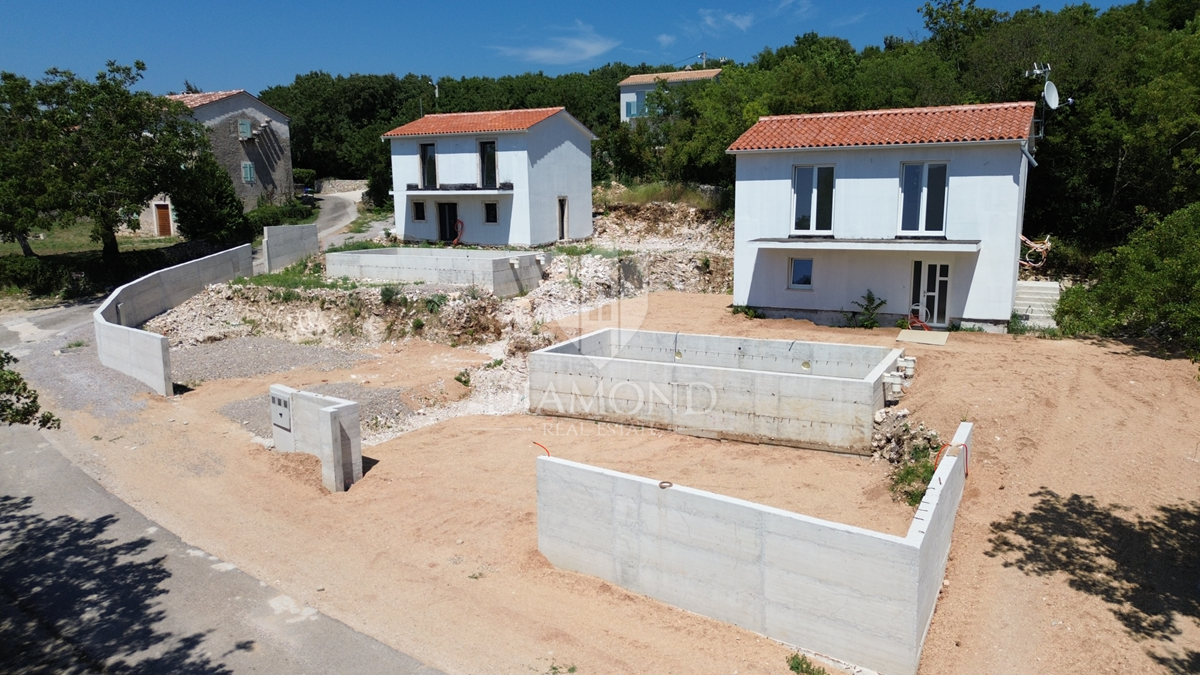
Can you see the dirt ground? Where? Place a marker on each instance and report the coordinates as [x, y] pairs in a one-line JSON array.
[[435, 551]]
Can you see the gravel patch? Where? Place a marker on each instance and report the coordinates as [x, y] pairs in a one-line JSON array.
[[252, 356], [379, 410], [74, 379]]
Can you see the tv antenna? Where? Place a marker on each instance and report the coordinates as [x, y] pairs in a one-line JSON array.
[[1050, 98]]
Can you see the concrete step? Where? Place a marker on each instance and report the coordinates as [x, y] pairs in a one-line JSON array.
[[1035, 302]]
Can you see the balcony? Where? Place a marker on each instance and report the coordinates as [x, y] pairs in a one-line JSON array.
[[505, 188]]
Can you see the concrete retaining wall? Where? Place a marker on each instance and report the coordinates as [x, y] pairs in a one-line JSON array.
[[145, 356], [806, 394], [287, 244], [856, 595], [324, 426], [504, 273]]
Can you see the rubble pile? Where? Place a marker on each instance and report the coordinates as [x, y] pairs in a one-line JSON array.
[[895, 439]]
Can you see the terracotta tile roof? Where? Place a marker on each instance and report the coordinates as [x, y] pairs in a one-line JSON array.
[[901, 126], [677, 76], [194, 101], [474, 122]]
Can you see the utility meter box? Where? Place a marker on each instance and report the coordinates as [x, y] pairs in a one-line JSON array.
[[281, 410]]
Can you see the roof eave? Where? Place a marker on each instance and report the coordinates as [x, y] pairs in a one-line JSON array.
[[873, 146]]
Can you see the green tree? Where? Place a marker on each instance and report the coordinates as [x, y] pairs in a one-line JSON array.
[[206, 205], [124, 148], [19, 403], [32, 142]]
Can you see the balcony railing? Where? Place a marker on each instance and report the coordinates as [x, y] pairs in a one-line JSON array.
[[458, 187]]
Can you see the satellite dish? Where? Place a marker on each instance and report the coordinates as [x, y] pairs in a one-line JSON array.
[[1050, 93]]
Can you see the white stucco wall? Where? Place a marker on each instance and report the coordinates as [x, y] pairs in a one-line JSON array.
[[560, 165], [629, 93], [985, 203]]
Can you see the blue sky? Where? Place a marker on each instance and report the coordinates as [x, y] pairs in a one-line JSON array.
[[220, 44]]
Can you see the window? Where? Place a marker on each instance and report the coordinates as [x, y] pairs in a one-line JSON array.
[[487, 164], [491, 212], [244, 130], [636, 107], [801, 272], [247, 172], [923, 197], [812, 198], [428, 167], [419, 212]]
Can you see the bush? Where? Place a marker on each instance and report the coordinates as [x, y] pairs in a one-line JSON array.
[[208, 208], [304, 177], [387, 294], [1148, 287], [271, 215]]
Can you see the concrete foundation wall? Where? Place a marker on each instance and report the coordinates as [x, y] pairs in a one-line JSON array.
[[846, 592], [806, 394], [145, 356], [324, 426], [491, 270], [287, 244]]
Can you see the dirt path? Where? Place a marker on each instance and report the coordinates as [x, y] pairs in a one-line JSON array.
[[434, 553]]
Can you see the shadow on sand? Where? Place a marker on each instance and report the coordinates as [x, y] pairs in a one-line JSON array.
[[1146, 568]]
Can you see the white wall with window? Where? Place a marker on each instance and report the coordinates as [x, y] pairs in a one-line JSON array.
[[864, 216], [633, 100]]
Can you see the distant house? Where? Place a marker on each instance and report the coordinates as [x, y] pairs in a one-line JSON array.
[[249, 138], [635, 87], [922, 206], [519, 177]]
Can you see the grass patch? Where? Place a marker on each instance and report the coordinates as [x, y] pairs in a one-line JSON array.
[[300, 275], [678, 193], [463, 378], [799, 663], [575, 251], [76, 343], [78, 237], [356, 246]]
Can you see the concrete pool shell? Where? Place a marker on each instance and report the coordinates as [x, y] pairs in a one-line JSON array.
[[789, 392], [504, 273]]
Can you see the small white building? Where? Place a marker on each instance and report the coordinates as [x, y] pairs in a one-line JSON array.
[[922, 206], [635, 87], [514, 177]]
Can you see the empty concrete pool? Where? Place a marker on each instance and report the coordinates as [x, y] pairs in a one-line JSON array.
[[504, 273], [806, 394]]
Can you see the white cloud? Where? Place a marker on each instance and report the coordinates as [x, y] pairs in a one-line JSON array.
[[742, 21], [665, 40], [714, 22], [848, 20], [581, 44]]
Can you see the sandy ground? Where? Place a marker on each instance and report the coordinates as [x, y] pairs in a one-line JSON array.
[[434, 552]]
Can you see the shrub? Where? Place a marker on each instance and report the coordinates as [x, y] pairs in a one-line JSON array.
[[1148, 287], [417, 324], [869, 307], [304, 177], [799, 664], [433, 303], [748, 311], [208, 208], [387, 294]]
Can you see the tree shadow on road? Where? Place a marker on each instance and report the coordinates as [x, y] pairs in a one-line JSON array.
[[1146, 568], [73, 601]]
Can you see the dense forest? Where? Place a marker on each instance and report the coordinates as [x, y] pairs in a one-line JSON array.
[[1129, 143]]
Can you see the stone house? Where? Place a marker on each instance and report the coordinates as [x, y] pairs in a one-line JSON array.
[[249, 138]]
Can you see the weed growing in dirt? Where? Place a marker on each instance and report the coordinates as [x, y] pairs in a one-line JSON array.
[[912, 479], [356, 246], [750, 312], [387, 294], [556, 669], [77, 343], [434, 303], [1017, 325], [799, 663], [306, 275], [957, 327], [494, 364], [417, 323], [902, 323], [869, 309]]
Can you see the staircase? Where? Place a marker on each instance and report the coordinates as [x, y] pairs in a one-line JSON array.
[[1036, 301]]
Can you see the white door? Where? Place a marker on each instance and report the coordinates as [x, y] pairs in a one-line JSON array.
[[930, 291]]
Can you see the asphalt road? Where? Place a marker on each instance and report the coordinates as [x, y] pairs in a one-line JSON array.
[[338, 210], [88, 584], [40, 324]]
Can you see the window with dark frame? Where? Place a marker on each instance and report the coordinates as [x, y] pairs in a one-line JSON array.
[[800, 272], [491, 212], [428, 166], [487, 164], [812, 195], [923, 188], [419, 212]]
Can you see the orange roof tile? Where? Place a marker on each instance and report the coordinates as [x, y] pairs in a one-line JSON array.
[[194, 101], [900, 126], [677, 76], [474, 122]]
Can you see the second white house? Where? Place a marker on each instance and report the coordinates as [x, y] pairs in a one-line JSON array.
[[921, 206], [513, 177]]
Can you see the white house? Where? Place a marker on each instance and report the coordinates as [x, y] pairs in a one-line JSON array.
[[922, 206], [635, 87], [519, 177]]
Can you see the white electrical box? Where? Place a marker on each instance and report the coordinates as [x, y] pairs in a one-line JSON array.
[[281, 412]]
